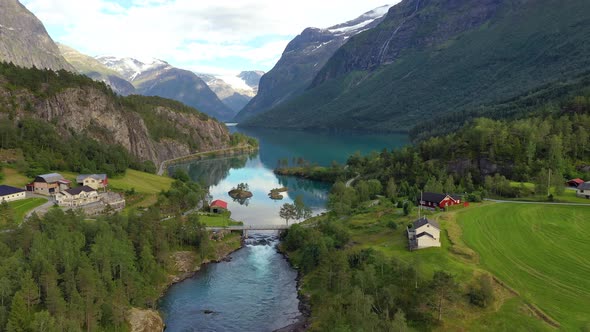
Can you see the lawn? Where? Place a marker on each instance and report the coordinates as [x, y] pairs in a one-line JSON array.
[[13, 178], [568, 196], [539, 250], [23, 206], [218, 220], [142, 182]]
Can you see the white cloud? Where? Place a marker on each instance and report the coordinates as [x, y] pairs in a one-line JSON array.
[[188, 33]]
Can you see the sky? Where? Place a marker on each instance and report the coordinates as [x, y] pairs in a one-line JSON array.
[[209, 36]]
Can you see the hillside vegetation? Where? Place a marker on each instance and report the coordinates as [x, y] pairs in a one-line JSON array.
[[443, 57], [66, 121]]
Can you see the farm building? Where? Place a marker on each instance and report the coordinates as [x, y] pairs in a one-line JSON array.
[[575, 182], [48, 184], [218, 206], [94, 181], [434, 200], [424, 233], [584, 190], [9, 194], [77, 196]]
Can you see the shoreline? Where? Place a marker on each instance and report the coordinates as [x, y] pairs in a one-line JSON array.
[[206, 154], [304, 320]]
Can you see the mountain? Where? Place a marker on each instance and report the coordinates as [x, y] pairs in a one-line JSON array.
[[432, 58], [234, 91], [148, 128], [158, 78], [302, 59], [94, 69], [24, 40]]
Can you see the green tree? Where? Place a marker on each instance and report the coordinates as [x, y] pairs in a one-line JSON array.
[[19, 317], [288, 212]]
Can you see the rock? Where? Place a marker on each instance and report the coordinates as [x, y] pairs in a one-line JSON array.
[[239, 194], [145, 320]]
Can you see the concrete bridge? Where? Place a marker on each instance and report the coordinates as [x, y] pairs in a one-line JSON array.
[[245, 228]]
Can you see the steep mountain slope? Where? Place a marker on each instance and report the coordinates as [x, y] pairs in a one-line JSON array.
[[302, 59], [94, 69], [435, 57], [252, 78], [24, 40], [149, 128], [158, 78], [233, 91]]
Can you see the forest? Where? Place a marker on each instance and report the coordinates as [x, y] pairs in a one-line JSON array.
[[63, 272]]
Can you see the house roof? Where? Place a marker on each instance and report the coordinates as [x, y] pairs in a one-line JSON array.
[[219, 203], [436, 197], [77, 191], [100, 177], [51, 177], [584, 186], [8, 190], [576, 180], [423, 221]]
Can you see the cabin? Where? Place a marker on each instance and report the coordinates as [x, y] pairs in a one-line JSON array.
[[77, 197], [94, 181], [218, 206], [434, 200], [575, 182], [48, 184], [424, 233], [583, 190], [10, 194]]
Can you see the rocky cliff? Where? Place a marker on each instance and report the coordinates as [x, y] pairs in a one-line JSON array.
[[91, 109], [24, 40]]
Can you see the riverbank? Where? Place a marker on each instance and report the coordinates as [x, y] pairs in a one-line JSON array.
[[241, 149], [186, 264], [304, 320], [316, 173]]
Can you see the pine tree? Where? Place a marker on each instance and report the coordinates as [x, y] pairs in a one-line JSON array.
[[19, 318]]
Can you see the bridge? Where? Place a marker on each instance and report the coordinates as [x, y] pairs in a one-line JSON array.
[[246, 228]]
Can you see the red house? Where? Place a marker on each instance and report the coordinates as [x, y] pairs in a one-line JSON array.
[[441, 201], [218, 206], [575, 182]]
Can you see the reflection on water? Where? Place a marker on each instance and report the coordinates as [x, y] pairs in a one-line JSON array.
[[223, 174]]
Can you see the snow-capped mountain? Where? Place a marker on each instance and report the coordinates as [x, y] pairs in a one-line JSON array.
[[235, 91], [303, 58], [131, 68], [156, 77]]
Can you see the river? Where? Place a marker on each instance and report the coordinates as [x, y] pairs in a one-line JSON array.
[[256, 290]]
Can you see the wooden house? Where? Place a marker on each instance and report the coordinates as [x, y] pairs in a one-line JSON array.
[[434, 200], [218, 206], [95, 181], [48, 184], [424, 233], [77, 197], [583, 190]]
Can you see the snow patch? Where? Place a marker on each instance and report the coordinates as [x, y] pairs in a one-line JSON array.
[[352, 28], [236, 82]]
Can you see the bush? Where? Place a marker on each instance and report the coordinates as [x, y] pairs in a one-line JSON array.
[[392, 224], [482, 293]]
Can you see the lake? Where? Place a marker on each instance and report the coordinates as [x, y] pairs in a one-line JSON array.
[[256, 290]]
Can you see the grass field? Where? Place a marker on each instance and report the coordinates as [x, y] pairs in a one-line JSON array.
[[13, 178], [539, 250], [23, 206], [568, 196], [218, 220], [144, 183]]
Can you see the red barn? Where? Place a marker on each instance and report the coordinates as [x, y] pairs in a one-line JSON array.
[[575, 182], [434, 200], [218, 206]]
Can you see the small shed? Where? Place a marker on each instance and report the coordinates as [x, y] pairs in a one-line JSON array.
[[575, 182], [218, 206]]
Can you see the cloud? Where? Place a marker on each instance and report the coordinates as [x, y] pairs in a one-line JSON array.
[[188, 33]]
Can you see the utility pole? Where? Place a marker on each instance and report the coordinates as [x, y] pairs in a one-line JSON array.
[[549, 184]]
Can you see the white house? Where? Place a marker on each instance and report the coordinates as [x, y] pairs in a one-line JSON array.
[[9, 194], [424, 233], [95, 181], [77, 197], [584, 190]]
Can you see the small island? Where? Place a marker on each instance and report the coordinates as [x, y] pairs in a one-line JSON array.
[[240, 192], [276, 193]]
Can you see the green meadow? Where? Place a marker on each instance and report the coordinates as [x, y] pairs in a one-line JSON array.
[[541, 251], [23, 206]]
